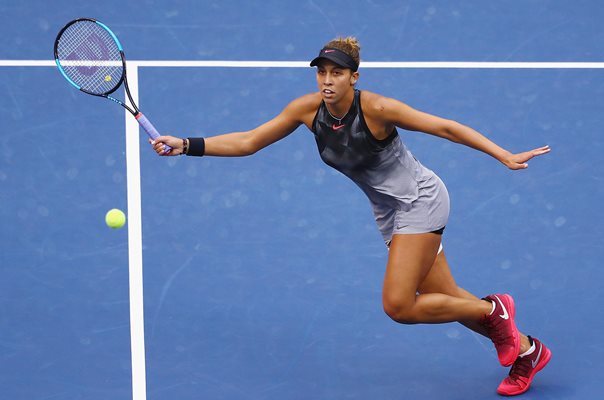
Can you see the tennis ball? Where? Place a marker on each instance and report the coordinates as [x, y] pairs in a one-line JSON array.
[[107, 78], [115, 218]]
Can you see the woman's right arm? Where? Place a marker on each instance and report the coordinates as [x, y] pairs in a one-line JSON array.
[[239, 144]]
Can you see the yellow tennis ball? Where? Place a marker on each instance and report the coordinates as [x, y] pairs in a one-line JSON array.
[[115, 218], [107, 78]]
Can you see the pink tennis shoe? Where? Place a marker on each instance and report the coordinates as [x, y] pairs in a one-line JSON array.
[[524, 369], [502, 329]]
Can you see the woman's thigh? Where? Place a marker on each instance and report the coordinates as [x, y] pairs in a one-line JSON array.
[[440, 280], [410, 260]]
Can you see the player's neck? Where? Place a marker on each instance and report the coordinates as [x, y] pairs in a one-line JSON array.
[[339, 109]]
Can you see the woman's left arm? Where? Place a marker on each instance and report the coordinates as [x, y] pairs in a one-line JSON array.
[[405, 117]]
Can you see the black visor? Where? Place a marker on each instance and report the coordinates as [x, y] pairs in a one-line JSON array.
[[336, 56]]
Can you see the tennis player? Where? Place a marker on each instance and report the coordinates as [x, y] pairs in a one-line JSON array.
[[356, 133]]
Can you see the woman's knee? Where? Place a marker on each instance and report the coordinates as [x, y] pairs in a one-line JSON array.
[[399, 310]]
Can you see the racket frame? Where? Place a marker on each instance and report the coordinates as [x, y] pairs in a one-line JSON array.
[[123, 78], [132, 108]]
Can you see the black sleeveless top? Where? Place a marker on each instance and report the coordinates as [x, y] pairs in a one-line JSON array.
[[384, 169], [347, 145]]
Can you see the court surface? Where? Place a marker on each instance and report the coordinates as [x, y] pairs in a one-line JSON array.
[[260, 277]]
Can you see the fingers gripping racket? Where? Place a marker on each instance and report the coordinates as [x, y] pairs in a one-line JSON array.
[[91, 58]]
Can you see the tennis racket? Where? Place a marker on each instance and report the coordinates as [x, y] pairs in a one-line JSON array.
[[91, 58]]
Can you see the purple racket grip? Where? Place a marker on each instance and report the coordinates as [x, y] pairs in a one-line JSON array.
[[150, 129]]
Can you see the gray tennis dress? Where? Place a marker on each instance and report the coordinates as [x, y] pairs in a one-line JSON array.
[[406, 196]]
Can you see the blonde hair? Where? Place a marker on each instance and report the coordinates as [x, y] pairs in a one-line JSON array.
[[349, 45]]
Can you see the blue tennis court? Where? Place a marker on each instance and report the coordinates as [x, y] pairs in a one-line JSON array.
[[260, 277]]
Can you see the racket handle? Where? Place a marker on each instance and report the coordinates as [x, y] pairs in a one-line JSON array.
[[150, 129]]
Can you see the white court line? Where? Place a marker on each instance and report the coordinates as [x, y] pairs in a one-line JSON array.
[[378, 64], [305, 64], [135, 246]]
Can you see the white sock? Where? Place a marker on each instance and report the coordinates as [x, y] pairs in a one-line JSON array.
[[529, 351]]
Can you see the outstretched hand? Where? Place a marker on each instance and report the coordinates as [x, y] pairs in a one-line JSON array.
[[519, 160], [174, 142]]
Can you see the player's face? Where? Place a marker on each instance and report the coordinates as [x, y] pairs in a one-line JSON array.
[[335, 82]]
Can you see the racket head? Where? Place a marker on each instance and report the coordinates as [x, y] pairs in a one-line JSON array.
[[90, 56]]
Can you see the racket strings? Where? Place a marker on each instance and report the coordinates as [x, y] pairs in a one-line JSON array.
[[90, 57]]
